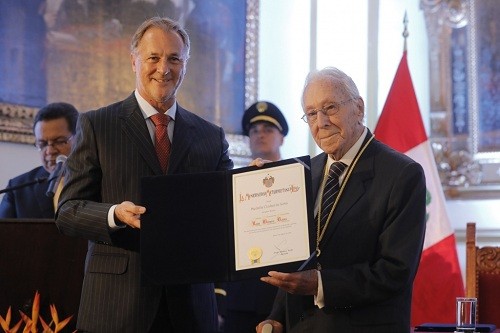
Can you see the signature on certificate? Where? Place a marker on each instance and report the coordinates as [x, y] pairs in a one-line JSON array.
[[280, 250]]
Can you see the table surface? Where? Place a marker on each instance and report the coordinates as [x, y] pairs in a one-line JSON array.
[[495, 331]]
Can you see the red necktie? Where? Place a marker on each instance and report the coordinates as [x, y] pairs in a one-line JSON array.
[[162, 142]]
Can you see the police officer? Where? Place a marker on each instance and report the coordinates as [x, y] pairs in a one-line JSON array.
[[266, 127]]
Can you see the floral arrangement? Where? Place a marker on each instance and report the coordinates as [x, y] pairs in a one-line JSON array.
[[31, 324]]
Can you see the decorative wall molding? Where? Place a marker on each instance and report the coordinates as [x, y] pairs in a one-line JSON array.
[[483, 236], [239, 149], [252, 53], [16, 123]]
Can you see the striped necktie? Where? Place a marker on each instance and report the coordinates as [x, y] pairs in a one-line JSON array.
[[331, 190], [162, 142]]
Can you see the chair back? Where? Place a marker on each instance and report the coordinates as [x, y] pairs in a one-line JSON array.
[[482, 276]]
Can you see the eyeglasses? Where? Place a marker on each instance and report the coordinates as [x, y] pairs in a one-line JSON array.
[[329, 110], [57, 144]]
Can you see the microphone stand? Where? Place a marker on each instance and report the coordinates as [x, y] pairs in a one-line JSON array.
[[13, 188]]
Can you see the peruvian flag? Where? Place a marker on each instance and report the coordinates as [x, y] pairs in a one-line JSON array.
[[439, 280]]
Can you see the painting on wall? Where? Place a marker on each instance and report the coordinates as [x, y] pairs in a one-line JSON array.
[[78, 52]]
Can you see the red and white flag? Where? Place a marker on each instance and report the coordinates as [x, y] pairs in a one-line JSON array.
[[439, 280]]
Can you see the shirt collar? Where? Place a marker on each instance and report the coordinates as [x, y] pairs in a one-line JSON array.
[[147, 110], [351, 153]]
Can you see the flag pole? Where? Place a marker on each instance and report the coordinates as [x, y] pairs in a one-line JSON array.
[[405, 31]]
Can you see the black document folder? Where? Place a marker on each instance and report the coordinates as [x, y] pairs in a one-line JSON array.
[[187, 232]]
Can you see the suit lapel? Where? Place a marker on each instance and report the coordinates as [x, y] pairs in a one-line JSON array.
[[135, 128], [355, 187], [45, 204], [317, 169], [184, 134]]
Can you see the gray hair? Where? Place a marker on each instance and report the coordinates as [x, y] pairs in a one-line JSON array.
[[333, 74], [164, 23]]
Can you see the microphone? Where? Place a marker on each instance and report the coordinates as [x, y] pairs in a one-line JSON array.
[[38, 180], [55, 176]]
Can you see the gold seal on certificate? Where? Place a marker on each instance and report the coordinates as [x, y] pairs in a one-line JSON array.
[[254, 254]]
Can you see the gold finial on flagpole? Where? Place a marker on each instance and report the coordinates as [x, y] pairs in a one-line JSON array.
[[405, 32]]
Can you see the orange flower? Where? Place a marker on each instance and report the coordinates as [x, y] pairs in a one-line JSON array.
[[55, 319], [5, 323], [32, 323]]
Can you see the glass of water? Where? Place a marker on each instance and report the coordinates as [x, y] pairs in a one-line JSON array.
[[466, 314]]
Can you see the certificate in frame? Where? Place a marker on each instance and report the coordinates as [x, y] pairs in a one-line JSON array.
[[188, 230], [270, 215]]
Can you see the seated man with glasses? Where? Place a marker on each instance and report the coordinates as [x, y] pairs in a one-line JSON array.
[[54, 127]]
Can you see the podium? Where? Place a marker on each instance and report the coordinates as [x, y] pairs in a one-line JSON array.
[[35, 256]]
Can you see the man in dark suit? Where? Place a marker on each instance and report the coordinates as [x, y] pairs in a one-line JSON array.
[[53, 127], [116, 146], [370, 238]]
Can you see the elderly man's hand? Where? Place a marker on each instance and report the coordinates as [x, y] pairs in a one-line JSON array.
[[300, 283], [269, 326]]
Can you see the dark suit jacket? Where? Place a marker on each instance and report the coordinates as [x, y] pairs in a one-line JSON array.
[[29, 201], [113, 150], [371, 249]]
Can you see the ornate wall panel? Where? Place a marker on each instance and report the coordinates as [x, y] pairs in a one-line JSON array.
[[465, 94]]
